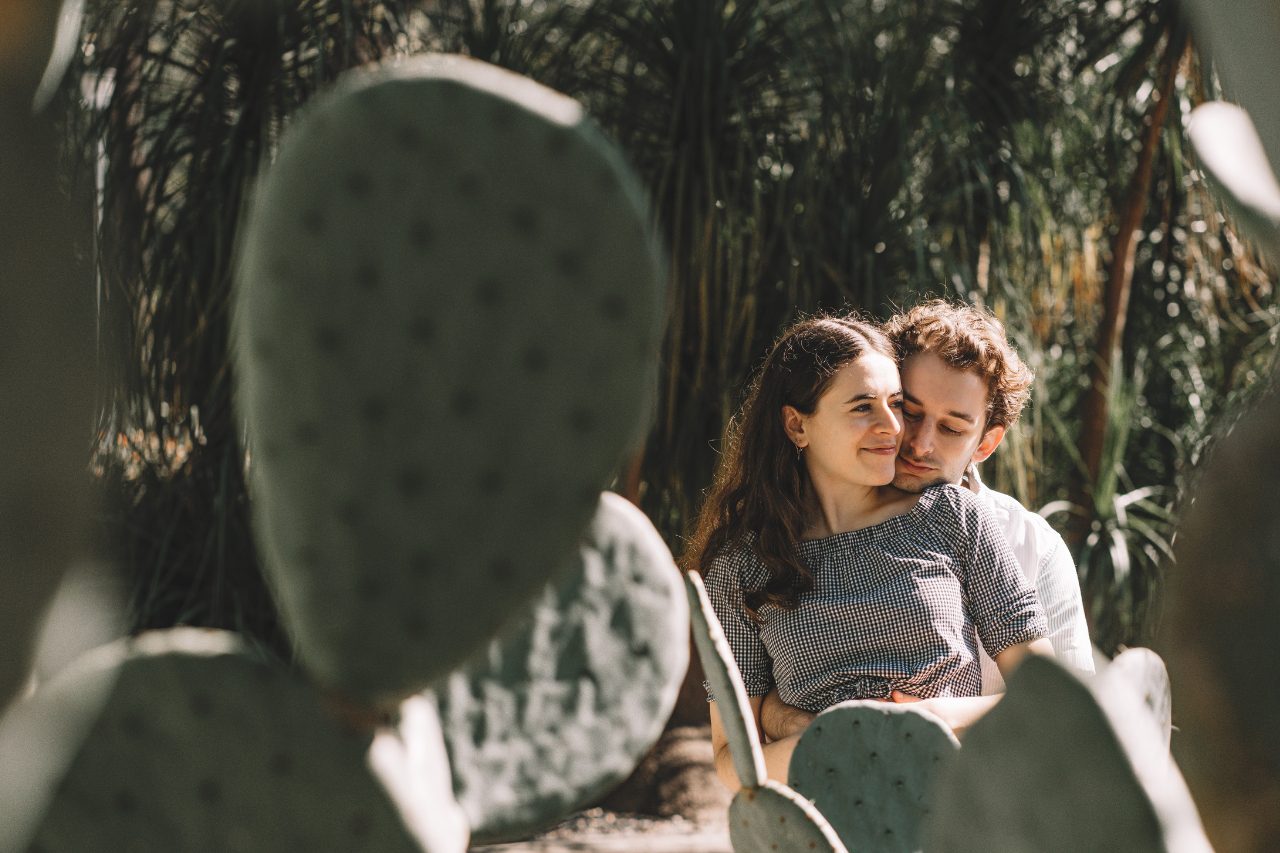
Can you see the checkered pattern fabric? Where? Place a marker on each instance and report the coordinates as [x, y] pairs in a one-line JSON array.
[[899, 605]]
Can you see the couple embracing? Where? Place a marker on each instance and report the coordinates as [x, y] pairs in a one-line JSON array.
[[850, 549]]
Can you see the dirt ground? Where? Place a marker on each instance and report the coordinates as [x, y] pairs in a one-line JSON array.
[[671, 804], [601, 831]]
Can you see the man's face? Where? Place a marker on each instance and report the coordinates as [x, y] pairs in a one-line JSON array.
[[944, 413]]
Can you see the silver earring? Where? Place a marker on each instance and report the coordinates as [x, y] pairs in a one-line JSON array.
[[799, 451]]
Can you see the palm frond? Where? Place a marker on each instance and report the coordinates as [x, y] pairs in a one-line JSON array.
[[190, 99]]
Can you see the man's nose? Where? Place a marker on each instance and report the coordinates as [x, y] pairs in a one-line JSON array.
[[916, 440]]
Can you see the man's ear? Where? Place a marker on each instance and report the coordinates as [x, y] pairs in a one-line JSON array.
[[793, 424], [990, 441]]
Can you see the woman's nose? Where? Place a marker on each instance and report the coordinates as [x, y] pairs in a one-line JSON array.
[[889, 421]]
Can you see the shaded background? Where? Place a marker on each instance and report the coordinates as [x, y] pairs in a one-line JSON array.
[[1028, 156]]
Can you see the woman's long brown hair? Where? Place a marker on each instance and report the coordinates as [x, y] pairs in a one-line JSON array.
[[761, 484]]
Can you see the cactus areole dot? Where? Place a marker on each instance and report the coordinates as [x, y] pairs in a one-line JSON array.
[[442, 387]]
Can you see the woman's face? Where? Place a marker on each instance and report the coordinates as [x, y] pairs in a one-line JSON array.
[[852, 436]]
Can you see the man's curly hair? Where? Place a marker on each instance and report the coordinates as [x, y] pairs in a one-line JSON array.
[[967, 338]]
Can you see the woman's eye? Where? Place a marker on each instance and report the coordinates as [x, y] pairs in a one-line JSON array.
[[865, 407], [896, 404]]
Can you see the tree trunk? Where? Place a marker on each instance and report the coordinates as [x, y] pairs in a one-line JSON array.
[[1095, 412]]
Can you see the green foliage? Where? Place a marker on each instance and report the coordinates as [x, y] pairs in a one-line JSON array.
[[1130, 529], [184, 102], [798, 154]]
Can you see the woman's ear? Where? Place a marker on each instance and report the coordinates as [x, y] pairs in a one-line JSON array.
[[793, 424]]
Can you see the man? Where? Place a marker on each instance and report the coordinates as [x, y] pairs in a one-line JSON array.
[[963, 388]]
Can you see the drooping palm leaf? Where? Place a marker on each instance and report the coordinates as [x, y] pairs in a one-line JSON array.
[[188, 100]]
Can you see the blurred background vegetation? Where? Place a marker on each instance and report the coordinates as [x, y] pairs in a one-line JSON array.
[[1028, 156]]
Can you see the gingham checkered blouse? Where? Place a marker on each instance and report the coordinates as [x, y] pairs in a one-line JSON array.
[[899, 605]]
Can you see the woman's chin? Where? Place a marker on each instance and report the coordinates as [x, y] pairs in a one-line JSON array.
[[880, 473]]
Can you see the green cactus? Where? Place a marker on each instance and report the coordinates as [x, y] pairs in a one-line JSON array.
[[46, 348], [1240, 36], [1145, 672], [773, 817], [1220, 635], [412, 764], [765, 815], [1231, 153], [446, 335], [180, 740], [448, 312], [726, 686], [1062, 763], [560, 709], [1239, 146], [868, 767]]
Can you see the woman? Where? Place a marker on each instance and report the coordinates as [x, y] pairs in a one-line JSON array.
[[829, 583]]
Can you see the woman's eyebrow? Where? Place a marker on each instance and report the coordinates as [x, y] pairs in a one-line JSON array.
[[869, 396]]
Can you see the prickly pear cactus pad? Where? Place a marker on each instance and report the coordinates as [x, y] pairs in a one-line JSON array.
[[1231, 154], [1240, 36], [560, 709], [726, 685], [1142, 671], [868, 767], [1061, 764], [191, 744], [47, 362], [1220, 635], [773, 817], [448, 311], [412, 764]]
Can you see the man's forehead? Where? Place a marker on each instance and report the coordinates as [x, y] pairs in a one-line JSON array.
[[930, 382]]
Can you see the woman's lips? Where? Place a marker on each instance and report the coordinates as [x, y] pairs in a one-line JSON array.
[[887, 450]]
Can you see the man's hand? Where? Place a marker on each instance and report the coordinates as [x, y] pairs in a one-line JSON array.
[[899, 696], [780, 720]]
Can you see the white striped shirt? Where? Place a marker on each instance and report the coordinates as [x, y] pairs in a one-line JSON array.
[[1046, 563]]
